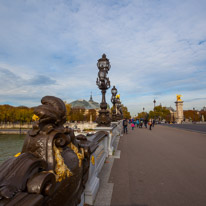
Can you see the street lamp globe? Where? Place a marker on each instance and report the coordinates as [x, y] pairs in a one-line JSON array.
[[114, 91], [103, 63], [102, 74]]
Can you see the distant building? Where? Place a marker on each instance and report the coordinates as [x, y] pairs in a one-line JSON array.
[[87, 105], [204, 108], [172, 113]]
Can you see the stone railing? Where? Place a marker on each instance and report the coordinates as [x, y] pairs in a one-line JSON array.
[[105, 138], [10, 125]]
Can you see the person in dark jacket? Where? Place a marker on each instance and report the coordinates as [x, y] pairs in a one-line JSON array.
[[150, 124], [125, 123], [153, 122], [145, 123]]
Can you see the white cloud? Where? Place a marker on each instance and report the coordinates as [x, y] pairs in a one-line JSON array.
[[156, 49]]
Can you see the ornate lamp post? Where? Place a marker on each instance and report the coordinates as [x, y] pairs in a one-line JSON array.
[[103, 83], [154, 108], [114, 101]]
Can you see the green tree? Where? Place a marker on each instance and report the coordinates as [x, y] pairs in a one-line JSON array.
[[192, 115], [68, 108], [77, 114], [15, 114], [126, 113], [143, 115], [160, 113]]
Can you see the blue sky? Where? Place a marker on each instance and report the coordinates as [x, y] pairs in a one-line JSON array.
[[157, 49]]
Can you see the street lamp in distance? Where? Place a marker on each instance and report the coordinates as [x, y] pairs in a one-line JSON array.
[[143, 112], [154, 103], [114, 101]]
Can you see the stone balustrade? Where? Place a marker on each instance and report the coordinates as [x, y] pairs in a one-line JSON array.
[[105, 137]]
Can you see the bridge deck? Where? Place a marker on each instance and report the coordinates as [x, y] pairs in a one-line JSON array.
[[162, 167]]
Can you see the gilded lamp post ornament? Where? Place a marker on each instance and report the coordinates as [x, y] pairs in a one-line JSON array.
[[119, 108], [114, 101], [103, 83]]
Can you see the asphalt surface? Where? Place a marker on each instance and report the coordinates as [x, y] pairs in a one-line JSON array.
[[191, 127], [162, 167]]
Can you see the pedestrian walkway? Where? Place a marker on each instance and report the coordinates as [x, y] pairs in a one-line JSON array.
[[162, 167]]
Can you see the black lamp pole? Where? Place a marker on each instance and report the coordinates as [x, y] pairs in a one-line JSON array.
[[114, 101], [154, 103], [103, 83]]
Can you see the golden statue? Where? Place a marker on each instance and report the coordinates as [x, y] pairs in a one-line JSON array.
[[179, 97]]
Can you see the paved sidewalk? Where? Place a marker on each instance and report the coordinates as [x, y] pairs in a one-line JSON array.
[[162, 167]]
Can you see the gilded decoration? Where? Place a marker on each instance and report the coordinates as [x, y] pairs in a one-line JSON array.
[[53, 164]]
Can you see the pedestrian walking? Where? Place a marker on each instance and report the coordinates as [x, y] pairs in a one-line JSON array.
[[141, 123], [132, 125], [145, 123], [153, 122], [125, 123], [137, 123], [150, 124]]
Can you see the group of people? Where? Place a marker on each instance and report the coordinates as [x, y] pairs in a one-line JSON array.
[[138, 123]]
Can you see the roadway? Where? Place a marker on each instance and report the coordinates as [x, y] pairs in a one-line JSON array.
[[191, 127], [162, 167]]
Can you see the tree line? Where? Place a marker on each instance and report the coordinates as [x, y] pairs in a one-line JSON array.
[[161, 113], [16, 114], [23, 114]]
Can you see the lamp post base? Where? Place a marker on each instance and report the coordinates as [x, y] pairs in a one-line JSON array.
[[119, 117], [103, 119], [114, 117]]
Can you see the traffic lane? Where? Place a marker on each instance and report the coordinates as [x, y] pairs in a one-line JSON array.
[[192, 127]]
